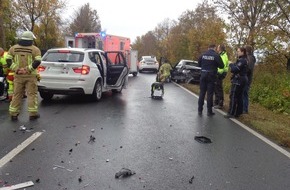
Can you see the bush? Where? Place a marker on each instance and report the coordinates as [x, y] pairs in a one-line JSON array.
[[272, 90]]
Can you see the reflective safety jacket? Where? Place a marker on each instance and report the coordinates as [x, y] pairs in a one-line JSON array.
[[3, 62], [225, 59], [165, 69], [23, 57]]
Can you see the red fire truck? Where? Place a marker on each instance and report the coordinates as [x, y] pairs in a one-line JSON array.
[[106, 42]]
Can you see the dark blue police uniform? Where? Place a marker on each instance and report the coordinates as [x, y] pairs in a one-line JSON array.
[[209, 62], [239, 79]]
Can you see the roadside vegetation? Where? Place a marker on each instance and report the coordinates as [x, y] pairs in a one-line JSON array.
[[269, 112]]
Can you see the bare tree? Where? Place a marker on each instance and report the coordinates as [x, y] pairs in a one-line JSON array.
[[85, 20]]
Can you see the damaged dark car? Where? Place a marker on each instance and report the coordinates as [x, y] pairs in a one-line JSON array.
[[186, 71]]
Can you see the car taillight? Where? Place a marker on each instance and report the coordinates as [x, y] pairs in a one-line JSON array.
[[84, 70], [41, 68]]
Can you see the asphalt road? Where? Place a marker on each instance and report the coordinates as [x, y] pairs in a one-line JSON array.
[[78, 144]]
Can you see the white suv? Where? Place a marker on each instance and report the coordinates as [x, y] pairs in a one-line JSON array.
[[70, 71], [148, 63]]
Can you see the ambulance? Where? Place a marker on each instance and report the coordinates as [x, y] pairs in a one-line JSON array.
[[106, 42]]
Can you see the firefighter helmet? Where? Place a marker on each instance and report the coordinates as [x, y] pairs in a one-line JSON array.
[[27, 35]]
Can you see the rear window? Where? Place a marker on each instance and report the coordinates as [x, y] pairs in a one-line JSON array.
[[58, 56], [150, 59]]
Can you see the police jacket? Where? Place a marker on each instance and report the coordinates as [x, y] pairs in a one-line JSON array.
[[239, 71], [251, 64], [210, 61]]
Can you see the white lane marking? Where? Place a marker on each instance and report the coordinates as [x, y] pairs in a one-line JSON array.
[[19, 148], [18, 186], [278, 148], [283, 151]]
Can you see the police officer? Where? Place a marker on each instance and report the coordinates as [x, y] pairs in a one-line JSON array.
[[251, 64], [23, 58], [209, 62], [221, 74], [239, 79]]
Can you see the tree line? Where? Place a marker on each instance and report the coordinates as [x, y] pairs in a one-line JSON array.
[[264, 24], [45, 19]]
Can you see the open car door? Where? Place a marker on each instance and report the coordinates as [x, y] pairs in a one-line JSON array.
[[117, 69]]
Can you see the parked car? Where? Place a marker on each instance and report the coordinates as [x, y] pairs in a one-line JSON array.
[[186, 71], [148, 63], [91, 72]]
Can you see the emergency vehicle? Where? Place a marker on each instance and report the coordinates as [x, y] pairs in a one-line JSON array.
[[105, 42]]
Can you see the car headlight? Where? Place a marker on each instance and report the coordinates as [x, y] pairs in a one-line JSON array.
[[185, 71]]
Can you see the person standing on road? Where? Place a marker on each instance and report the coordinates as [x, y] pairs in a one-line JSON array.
[[251, 64], [164, 71], [238, 80], [209, 62], [221, 74], [23, 58]]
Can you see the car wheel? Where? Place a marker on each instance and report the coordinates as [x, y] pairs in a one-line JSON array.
[[46, 96], [97, 93], [135, 74]]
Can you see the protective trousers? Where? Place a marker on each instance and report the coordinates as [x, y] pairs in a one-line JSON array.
[[22, 84]]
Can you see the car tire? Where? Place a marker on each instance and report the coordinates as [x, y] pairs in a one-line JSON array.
[[46, 96], [97, 93], [135, 74]]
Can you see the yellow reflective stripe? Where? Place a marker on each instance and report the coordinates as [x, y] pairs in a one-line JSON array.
[[30, 67], [32, 109], [38, 58], [35, 108], [9, 56], [12, 109]]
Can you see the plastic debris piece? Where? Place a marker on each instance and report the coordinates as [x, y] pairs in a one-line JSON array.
[[80, 179], [202, 139], [92, 139], [57, 166], [124, 172], [22, 128], [18, 186], [77, 143], [92, 130], [191, 180]]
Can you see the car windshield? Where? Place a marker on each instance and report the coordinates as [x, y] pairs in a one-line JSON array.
[[183, 63], [64, 57]]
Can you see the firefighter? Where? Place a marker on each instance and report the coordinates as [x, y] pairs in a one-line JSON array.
[[24, 58], [239, 80], [221, 74], [209, 62], [3, 72], [164, 71]]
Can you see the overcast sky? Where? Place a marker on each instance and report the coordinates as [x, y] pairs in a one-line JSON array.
[[132, 18]]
